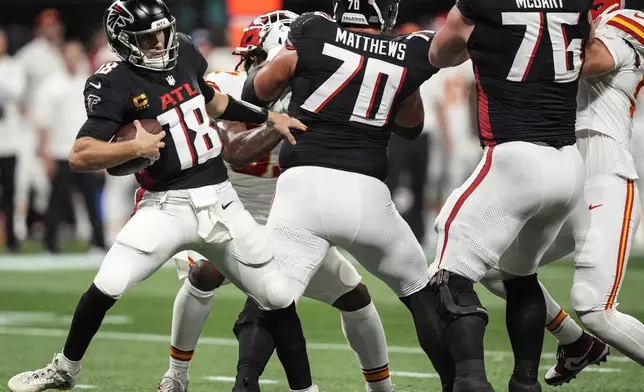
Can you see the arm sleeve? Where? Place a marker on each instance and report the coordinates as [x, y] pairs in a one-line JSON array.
[[299, 29], [102, 100], [99, 128], [207, 89], [622, 53], [106, 109], [467, 8]]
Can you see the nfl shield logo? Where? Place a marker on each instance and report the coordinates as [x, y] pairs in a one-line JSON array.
[[170, 80]]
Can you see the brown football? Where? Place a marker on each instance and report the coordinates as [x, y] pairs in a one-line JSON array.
[[128, 132]]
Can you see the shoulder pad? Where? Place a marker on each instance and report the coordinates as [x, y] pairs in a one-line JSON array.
[[184, 39], [627, 24], [305, 24], [108, 72], [186, 43]]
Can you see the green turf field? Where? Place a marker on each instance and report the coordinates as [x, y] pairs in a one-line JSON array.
[[130, 354]]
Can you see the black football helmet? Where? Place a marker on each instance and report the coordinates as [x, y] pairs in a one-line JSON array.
[[134, 29], [381, 14]]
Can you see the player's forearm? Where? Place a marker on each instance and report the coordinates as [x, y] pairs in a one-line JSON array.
[[268, 83], [225, 107], [89, 154], [598, 60], [445, 56], [449, 47], [218, 105], [247, 146]]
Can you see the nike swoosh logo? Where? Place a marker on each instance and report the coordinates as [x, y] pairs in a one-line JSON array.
[[592, 207], [226, 205], [578, 365], [95, 85]]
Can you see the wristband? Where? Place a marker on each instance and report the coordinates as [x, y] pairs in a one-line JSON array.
[[244, 112]]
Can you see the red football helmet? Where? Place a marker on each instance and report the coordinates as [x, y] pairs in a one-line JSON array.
[[605, 6], [252, 37]]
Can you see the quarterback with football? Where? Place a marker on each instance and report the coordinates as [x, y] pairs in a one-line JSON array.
[[185, 200]]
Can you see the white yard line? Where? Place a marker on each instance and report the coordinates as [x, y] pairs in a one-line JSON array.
[[85, 386], [65, 262], [144, 337], [54, 319]]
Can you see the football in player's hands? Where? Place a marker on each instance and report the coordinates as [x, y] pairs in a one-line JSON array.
[[149, 156]]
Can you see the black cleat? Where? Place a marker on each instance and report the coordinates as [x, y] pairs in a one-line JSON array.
[[472, 384], [516, 386], [247, 385]]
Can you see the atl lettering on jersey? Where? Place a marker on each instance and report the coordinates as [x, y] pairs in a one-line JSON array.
[[191, 157]]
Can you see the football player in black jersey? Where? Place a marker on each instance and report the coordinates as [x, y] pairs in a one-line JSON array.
[[185, 200], [527, 58], [353, 86]]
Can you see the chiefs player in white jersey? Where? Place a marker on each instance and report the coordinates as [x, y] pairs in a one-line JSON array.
[[600, 231], [336, 282]]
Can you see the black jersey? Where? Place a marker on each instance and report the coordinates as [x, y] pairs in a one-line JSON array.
[[527, 55], [122, 93], [347, 88]]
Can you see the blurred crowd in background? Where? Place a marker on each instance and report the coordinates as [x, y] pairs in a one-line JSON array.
[[43, 69]]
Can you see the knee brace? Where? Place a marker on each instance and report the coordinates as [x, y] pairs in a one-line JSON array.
[[457, 297], [204, 276]]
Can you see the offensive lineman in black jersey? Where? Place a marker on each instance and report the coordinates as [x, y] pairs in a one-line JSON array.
[[353, 86], [185, 200], [527, 57]]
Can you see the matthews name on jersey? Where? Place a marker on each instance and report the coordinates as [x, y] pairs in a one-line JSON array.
[[255, 184], [527, 56], [122, 93], [347, 89]]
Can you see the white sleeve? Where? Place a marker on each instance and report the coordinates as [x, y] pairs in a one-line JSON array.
[[13, 83], [44, 103], [227, 82], [623, 54], [428, 92]]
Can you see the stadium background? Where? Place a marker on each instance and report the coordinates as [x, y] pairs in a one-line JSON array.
[[40, 287]]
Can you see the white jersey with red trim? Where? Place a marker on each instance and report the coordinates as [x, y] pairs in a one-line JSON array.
[[255, 183], [606, 103]]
